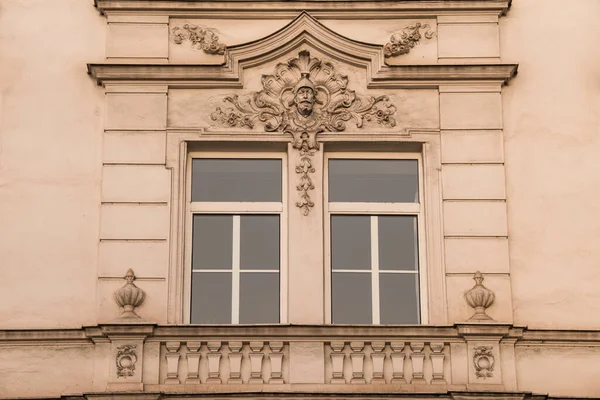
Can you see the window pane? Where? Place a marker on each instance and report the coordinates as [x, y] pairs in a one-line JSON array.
[[398, 242], [211, 298], [350, 242], [236, 179], [384, 181], [212, 242], [398, 294], [259, 298], [351, 298], [259, 242]]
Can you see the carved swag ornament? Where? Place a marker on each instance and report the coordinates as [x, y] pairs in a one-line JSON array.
[[401, 42], [205, 39], [304, 97]]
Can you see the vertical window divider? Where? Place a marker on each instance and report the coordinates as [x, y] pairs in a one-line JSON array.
[[235, 272], [375, 268]]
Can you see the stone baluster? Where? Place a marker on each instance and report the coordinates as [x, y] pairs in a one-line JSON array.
[[214, 361], [256, 358], [437, 362], [276, 358], [417, 357], [193, 362], [358, 361], [397, 362], [235, 363], [378, 358], [172, 357], [337, 362]]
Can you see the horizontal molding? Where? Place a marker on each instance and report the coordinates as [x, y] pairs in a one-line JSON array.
[[282, 9], [211, 76]]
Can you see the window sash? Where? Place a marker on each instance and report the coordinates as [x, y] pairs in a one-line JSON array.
[[236, 209], [373, 210]]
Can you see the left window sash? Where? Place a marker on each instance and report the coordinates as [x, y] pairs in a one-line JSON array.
[[235, 253]]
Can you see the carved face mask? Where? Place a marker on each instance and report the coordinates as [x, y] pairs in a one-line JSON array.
[[304, 100]]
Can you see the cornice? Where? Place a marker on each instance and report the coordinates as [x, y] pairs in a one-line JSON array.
[[288, 9], [205, 76]]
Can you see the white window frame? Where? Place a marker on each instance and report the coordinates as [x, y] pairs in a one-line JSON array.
[[374, 209], [236, 209]]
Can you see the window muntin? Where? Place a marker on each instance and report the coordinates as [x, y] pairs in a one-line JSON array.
[[372, 243], [236, 246]]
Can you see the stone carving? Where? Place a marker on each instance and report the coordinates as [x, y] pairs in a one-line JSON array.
[[126, 359], [304, 97], [129, 296], [480, 298], [205, 39], [484, 362], [401, 42]]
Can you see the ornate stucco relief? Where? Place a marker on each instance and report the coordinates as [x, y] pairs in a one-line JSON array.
[[126, 359], [484, 361], [205, 39], [304, 97], [129, 296], [402, 41]]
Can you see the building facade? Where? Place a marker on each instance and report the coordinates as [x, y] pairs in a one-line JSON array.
[[299, 199]]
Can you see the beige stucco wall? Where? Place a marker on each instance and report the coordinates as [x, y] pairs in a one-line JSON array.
[[552, 142], [50, 141]]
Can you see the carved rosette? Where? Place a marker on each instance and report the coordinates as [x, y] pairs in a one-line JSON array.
[[129, 296], [304, 97], [401, 42], [484, 361], [205, 39], [480, 298], [126, 359]]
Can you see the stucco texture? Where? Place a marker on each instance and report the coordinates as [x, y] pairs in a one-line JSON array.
[[50, 149], [552, 142]]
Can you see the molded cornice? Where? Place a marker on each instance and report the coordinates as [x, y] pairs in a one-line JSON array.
[[205, 76], [286, 9]]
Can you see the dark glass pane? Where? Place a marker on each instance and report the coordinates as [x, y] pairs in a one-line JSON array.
[[211, 298], [382, 181], [350, 242], [236, 179], [212, 242], [399, 298], [351, 298], [398, 242], [259, 242], [259, 298]]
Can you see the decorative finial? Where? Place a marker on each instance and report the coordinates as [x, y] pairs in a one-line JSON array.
[[480, 298], [129, 296]]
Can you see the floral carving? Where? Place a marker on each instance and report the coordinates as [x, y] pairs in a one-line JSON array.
[[304, 97], [484, 362], [401, 42], [126, 359], [480, 298], [129, 296], [205, 39]]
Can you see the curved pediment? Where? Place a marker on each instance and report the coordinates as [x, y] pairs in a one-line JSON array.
[[305, 30]]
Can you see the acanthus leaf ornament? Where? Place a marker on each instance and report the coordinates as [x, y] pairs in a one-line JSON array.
[[205, 39], [403, 41], [304, 97]]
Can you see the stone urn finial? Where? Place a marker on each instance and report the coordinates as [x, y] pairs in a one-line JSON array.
[[480, 298], [129, 296]]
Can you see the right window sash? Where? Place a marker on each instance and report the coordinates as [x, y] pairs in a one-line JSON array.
[[375, 241]]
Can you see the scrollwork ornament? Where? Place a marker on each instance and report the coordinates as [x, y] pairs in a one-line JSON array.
[[304, 97], [484, 361], [205, 39], [402, 42], [126, 359]]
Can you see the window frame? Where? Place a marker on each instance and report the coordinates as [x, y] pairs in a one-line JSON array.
[[237, 209], [375, 209]]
